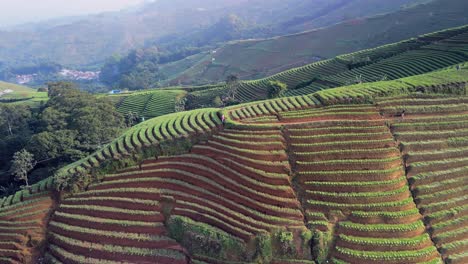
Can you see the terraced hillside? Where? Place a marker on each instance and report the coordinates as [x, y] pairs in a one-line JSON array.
[[23, 218], [434, 145], [148, 104], [353, 185], [337, 175], [415, 56]]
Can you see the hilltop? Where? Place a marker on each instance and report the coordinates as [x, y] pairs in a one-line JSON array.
[[251, 59]]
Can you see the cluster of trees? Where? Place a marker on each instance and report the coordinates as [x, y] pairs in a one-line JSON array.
[[70, 126], [140, 69]]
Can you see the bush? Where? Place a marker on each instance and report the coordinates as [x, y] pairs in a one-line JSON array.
[[276, 89], [320, 245], [199, 238], [286, 241], [264, 247]]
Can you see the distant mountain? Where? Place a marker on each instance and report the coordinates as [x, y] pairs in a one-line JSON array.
[[86, 41], [253, 59]]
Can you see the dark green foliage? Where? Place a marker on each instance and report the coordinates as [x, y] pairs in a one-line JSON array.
[[264, 247], [199, 238], [23, 163], [95, 121], [320, 245], [276, 89], [286, 243], [70, 126]]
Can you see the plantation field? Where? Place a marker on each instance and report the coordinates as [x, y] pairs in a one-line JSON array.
[[416, 56], [12, 93], [148, 104], [339, 175]]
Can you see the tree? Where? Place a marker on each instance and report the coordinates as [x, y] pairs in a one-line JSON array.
[[23, 163], [276, 89], [180, 104], [131, 118], [232, 84], [14, 118]]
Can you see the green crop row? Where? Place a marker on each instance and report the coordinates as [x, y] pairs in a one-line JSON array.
[[453, 222], [409, 109], [438, 163], [256, 171], [242, 226], [462, 232], [113, 199], [366, 206], [251, 212], [122, 223], [391, 215], [191, 186], [441, 194], [450, 212], [107, 209], [374, 152], [373, 195], [445, 134], [239, 231], [110, 234], [448, 203], [455, 245], [394, 256], [251, 143], [457, 258], [334, 129], [21, 207], [387, 242], [134, 251], [352, 184], [292, 114], [350, 161], [346, 143], [348, 172], [439, 174], [197, 167], [407, 227], [414, 101], [240, 157]]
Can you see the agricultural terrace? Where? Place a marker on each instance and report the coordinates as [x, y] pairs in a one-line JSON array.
[[335, 175], [23, 220], [237, 190], [148, 104], [353, 185], [415, 56], [434, 140]]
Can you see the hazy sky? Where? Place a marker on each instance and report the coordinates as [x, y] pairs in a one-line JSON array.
[[21, 11]]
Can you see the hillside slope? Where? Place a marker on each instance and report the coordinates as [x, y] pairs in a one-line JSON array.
[[90, 40], [11, 93], [335, 175], [258, 58]]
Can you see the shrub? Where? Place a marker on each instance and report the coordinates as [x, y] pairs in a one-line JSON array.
[[264, 247], [320, 245], [276, 89]]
